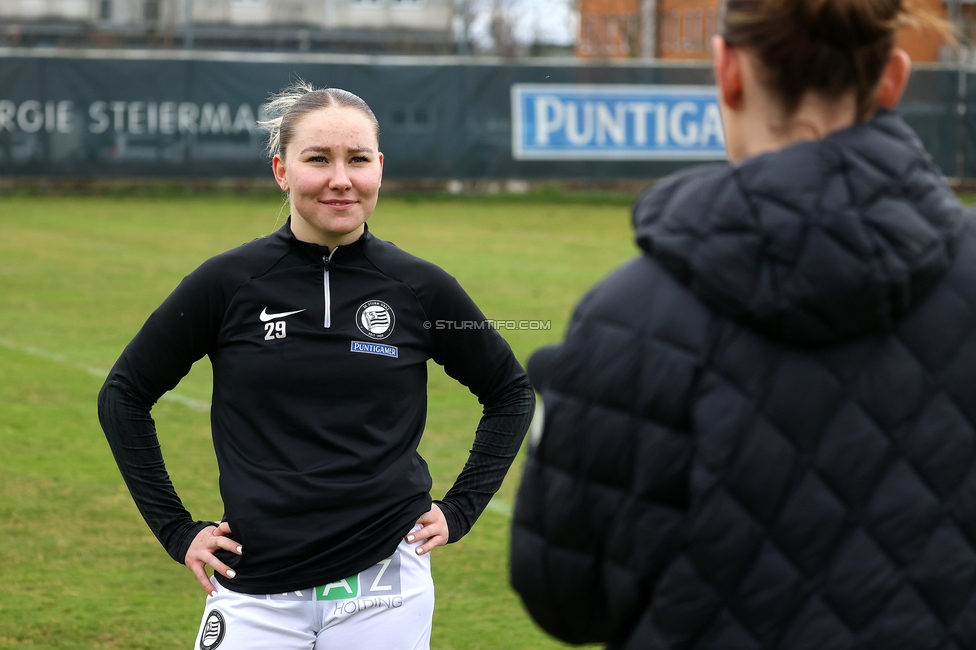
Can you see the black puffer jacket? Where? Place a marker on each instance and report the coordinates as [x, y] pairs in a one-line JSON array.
[[761, 433]]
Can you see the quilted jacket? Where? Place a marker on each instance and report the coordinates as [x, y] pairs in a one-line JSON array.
[[761, 432]]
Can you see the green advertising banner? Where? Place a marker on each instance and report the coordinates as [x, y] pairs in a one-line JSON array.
[[173, 114]]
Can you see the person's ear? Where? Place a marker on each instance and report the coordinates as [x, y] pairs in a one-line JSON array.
[[894, 78], [727, 62], [278, 167], [381, 167]]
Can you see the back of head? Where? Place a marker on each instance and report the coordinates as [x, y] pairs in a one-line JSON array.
[[827, 46]]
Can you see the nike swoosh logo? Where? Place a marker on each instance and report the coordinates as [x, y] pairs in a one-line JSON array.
[[265, 316]]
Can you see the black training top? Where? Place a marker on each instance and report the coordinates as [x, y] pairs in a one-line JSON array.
[[319, 402]]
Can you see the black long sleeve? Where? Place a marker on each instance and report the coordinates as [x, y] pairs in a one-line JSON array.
[[316, 413], [498, 438], [131, 434]]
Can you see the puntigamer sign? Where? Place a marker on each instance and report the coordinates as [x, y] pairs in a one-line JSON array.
[[616, 122]]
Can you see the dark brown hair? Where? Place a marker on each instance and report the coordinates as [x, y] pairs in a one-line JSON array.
[[299, 99], [828, 46]]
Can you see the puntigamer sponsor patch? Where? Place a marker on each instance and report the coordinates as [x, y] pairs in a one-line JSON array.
[[374, 348]]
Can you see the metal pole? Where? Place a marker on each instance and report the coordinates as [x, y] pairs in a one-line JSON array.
[[961, 108], [649, 24], [956, 15], [188, 24], [464, 47], [330, 14]]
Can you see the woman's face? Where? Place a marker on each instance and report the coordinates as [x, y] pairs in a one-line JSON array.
[[332, 170]]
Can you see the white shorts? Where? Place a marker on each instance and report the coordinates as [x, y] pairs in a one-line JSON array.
[[388, 606]]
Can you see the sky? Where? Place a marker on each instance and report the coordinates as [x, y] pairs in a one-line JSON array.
[[544, 21]]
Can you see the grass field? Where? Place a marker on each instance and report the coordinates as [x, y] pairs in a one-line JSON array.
[[78, 276]]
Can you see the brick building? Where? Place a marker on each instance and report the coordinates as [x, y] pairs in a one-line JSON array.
[[683, 29]]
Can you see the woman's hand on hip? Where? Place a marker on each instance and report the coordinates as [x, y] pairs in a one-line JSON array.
[[434, 531], [201, 554]]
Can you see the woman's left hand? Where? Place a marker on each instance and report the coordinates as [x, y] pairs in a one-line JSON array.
[[434, 531]]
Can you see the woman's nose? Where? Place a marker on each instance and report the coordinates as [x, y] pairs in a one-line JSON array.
[[340, 179]]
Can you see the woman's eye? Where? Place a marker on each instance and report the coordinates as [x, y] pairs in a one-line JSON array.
[[317, 159], [360, 159]]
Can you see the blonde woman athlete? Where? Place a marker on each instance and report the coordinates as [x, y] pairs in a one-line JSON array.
[[319, 336]]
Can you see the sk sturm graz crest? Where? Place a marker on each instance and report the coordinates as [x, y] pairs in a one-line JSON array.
[[375, 319], [213, 631]]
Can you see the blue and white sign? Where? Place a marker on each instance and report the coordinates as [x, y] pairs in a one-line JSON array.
[[616, 122], [374, 348]]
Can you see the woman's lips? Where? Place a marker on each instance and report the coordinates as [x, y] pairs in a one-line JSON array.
[[338, 204]]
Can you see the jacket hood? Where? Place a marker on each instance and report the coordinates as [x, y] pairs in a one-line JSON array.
[[816, 243]]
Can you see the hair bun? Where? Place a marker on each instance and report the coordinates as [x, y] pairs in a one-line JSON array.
[[847, 24], [828, 46]]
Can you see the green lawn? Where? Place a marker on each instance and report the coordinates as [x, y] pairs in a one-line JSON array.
[[78, 276]]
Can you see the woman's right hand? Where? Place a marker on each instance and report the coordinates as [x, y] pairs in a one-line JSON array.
[[201, 554]]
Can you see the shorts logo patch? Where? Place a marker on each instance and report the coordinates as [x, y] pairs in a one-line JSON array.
[[213, 630], [339, 590], [303, 594], [382, 579], [375, 319]]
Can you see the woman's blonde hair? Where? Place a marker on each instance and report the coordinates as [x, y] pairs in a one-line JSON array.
[[297, 100]]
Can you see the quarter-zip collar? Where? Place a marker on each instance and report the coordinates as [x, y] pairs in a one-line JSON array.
[[327, 258], [315, 252]]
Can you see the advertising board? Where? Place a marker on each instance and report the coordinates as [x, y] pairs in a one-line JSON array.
[[616, 122]]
